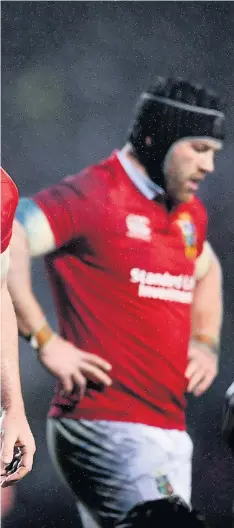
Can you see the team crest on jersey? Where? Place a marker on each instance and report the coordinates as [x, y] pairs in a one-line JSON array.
[[138, 227], [186, 224], [164, 486]]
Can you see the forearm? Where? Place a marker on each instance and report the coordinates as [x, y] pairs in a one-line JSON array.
[[29, 314], [207, 309], [10, 376]]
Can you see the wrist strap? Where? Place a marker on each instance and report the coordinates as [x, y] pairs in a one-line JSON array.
[[208, 341], [41, 337]]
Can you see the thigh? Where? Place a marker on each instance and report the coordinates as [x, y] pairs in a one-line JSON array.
[[94, 466], [175, 477]]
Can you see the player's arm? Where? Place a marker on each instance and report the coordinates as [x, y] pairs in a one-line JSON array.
[[44, 223], [32, 237], [207, 317], [15, 429], [10, 377], [36, 234], [48, 221], [207, 310]]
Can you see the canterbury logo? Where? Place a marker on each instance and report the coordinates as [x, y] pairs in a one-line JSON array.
[[138, 227]]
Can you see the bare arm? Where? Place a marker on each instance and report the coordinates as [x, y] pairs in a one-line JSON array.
[[10, 376], [15, 428], [30, 315], [207, 317], [207, 311]]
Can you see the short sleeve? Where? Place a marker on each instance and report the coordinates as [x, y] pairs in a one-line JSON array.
[[9, 201], [71, 205]]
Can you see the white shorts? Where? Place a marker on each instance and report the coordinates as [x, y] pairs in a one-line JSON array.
[[112, 466]]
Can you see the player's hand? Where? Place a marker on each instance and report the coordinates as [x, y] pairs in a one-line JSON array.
[[17, 447], [202, 368], [73, 366]]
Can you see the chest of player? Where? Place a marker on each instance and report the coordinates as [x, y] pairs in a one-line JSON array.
[[149, 239]]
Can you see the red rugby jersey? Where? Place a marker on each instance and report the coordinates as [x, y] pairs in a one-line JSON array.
[[123, 283], [9, 200]]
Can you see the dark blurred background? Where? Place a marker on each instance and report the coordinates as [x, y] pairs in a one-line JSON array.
[[71, 72]]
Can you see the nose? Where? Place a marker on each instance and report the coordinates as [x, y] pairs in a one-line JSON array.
[[207, 162]]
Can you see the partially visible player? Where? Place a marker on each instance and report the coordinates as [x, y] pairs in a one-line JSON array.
[[18, 446], [228, 418], [162, 513], [139, 313]]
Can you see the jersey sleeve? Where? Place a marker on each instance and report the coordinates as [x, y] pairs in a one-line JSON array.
[[9, 201], [71, 205]]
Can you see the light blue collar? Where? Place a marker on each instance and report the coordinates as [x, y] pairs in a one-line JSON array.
[[143, 183]]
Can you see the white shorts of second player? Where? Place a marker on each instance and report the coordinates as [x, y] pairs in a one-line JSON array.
[[112, 466]]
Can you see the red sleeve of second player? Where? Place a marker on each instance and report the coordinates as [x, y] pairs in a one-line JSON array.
[[9, 201], [70, 205]]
